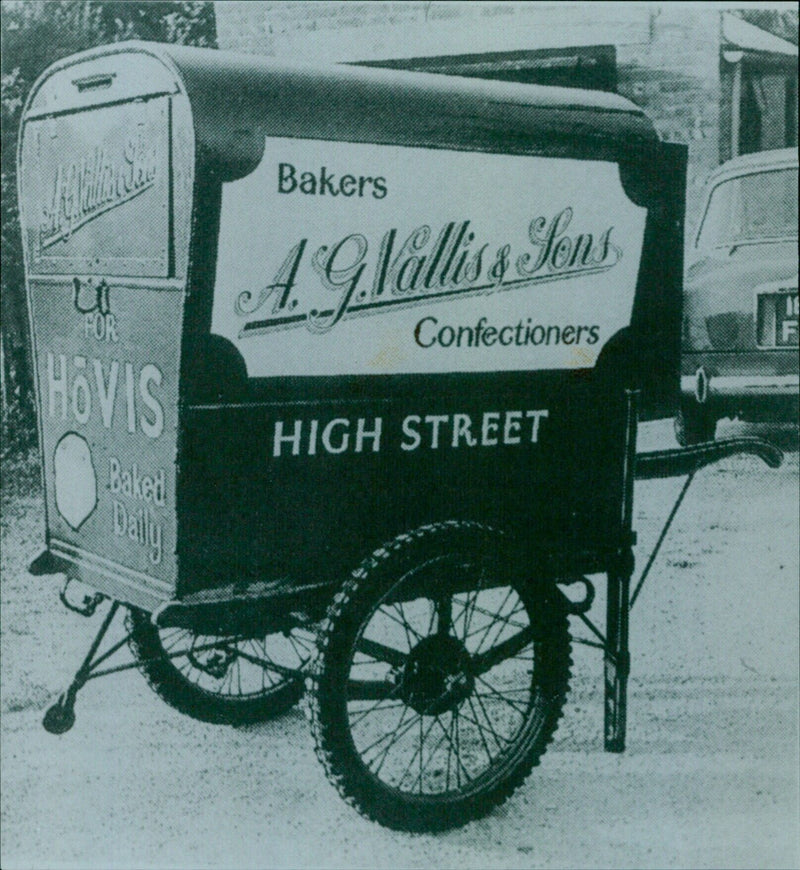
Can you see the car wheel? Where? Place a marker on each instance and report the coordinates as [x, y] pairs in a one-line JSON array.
[[694, 424]]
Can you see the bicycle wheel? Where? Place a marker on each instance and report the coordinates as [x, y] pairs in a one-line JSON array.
[[440, 679], [227, 680]]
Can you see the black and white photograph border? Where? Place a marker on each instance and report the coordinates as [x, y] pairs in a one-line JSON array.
[[662, 720]]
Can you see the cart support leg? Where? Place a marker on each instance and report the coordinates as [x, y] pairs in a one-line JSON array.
[[617, 660], [61, 716]]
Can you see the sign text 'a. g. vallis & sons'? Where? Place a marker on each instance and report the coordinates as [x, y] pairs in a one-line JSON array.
[[422, 267]]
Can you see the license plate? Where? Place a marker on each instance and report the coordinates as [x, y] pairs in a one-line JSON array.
[[777, 320]]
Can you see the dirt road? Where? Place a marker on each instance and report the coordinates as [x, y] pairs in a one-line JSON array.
[[709, 779]]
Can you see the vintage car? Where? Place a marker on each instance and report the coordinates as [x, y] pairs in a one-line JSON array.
[[740, 299]]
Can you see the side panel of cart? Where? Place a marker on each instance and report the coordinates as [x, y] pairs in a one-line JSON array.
[[406, 318], [415, 339], [107, 167]]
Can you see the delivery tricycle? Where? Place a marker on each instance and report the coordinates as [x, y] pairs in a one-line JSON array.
[[339, 373]]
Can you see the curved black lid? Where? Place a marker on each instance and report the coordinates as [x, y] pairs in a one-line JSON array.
[[238, 100]]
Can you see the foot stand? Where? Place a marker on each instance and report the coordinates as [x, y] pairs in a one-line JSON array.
[[61, 716]]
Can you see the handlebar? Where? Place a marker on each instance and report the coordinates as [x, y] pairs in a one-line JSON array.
[[686, 460]]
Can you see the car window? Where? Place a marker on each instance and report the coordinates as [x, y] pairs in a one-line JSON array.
[[755, 207]]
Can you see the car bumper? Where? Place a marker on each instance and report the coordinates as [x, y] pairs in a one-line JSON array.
[[704, 387]]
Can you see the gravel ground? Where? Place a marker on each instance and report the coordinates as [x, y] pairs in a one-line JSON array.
[[709, 778]]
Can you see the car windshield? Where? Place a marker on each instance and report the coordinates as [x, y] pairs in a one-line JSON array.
[[751, 208]]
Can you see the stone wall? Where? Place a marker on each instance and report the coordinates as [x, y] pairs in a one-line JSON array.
[[350, 31], [674, 77]]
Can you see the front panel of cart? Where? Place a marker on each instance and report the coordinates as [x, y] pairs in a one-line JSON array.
[[106, 198], [418, 333]]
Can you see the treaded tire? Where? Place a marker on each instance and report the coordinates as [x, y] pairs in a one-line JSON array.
[[373, 591], [180, 691]]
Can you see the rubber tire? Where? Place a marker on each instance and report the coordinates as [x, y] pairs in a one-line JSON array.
[[167, 681], [694, 425], [326, 685]]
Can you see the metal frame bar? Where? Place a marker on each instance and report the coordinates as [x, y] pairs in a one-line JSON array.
[[614, 644], [616, 661], [616, 655], [619, 602], [661, 538], [602, 642], [90, 670]]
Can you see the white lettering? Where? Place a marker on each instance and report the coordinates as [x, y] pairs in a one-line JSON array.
[[70, 388], [131, 403], [374, 435], [512, 427], [140, 527], [312, 441], [491, 423], [106, 392], [151, 374], [57, 386], [537, 417], [151, 488], [81, 407], [328, 431], [114, 482], [363, 434], [280, 438], [462, 428], [100, 326], [409, 432], [435, 420], [120, 519]]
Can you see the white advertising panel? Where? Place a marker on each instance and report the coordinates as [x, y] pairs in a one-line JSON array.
[[338, 258]]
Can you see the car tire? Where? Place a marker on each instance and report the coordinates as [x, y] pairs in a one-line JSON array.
[[694, 424]]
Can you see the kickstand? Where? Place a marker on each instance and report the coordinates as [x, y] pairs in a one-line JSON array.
[[61, 716]]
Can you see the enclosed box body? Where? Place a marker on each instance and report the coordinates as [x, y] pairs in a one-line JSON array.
[[282, 314]]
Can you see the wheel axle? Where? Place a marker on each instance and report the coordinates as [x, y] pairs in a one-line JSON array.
[[437, 676]]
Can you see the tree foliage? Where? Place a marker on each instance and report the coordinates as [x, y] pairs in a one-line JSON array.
[[35, 33]]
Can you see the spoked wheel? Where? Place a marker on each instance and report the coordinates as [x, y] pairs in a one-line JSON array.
[[440, 679], [227, 680]]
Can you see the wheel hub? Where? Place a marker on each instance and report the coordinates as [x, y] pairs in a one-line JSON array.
[[214, 662], [437, 675]]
